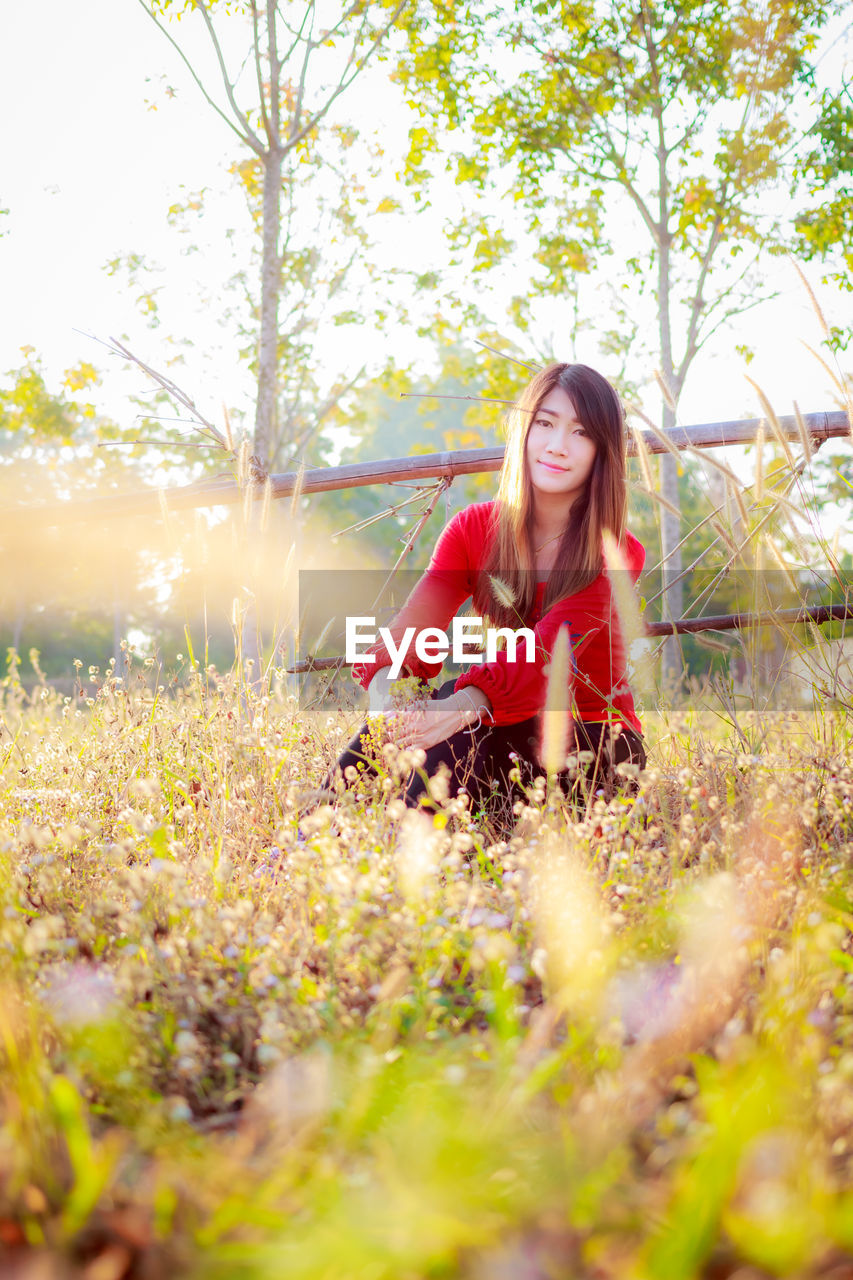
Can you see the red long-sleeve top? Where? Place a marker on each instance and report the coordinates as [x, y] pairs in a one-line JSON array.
[[516, 689]]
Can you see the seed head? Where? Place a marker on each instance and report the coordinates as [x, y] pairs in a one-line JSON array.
[[502, 592]]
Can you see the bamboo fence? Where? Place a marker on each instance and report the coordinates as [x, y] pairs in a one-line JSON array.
[[226, 491]]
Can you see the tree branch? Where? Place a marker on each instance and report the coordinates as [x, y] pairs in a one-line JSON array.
[[725, 293], [298, 36], [259, 73], [248, 138], [663, 178], [298, 444], [619, 164], [693, 128], [251, 137], [202, 424], [274, 132], [609, 154], [345, 83], [740, 309], [303, 74], [697, 305], [342, 21]]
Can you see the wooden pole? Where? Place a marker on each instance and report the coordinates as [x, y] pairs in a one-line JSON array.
[[682, 626], [226, 492], [737, 621]]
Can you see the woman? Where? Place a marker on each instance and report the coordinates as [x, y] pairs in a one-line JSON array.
[[532, 557]]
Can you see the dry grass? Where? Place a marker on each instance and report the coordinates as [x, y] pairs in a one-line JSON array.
[[617, 1042]]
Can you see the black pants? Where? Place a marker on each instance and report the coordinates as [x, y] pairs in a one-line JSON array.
[[480, 761]]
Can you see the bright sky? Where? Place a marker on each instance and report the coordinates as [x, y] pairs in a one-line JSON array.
[[88, 171]]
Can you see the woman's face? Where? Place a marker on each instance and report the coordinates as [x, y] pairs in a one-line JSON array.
[[560, 453]]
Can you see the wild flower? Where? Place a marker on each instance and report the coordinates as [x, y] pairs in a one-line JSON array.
[[429, 1011], [502, 591]]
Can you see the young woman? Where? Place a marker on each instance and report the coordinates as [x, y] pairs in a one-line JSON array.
[[533, 558]]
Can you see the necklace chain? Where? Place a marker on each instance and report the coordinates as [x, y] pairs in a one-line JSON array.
[[547, 543]]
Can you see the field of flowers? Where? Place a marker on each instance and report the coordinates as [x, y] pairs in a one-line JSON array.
[[615, 1042]]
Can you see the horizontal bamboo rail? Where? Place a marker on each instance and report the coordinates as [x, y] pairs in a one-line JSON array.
[[225, 491], [737, 621], [681, 626]]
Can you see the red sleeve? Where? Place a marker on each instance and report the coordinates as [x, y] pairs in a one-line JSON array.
[[447, 582]]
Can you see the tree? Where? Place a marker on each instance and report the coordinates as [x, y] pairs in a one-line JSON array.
[[326, 263], [825, 228], [59, 586], [300, 66], [675, 114]]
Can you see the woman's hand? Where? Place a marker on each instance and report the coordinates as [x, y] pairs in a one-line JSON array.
[[423, 724]]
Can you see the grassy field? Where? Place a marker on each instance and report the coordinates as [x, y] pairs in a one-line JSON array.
[[617, 1043]]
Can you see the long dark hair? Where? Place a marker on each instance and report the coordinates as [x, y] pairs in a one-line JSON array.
[[602, 506]]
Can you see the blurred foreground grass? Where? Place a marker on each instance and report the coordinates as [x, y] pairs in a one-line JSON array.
[[618, 1043]]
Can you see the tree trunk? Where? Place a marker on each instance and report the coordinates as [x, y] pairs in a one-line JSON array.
[[252, 642], [671, 603], [270, 291], [265, 408], [673, 598]]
